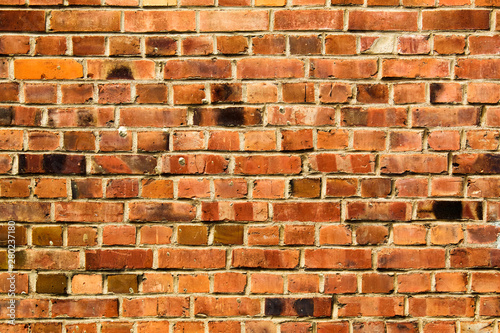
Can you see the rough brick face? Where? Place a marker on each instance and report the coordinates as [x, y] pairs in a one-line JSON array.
[[326, 166]]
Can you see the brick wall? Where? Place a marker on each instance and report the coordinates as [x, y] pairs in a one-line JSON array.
[[250, 165]]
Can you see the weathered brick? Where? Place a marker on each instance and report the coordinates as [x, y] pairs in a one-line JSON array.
[[255, 20], [84, 20], [159, 21], [464, 19], [308, 20]]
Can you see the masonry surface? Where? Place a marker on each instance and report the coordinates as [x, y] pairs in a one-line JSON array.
[[250, 166]]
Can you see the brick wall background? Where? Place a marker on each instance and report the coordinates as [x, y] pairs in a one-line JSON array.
[[251, 165]]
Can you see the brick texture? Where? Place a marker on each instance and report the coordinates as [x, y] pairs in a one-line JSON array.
[[250, 165]]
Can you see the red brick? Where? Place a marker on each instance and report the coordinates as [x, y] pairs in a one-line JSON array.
[[444, 140], [485, 282], [477, 69], [118, 235], [451, 282], [124, 45], [9, 92], [303, 283], [483, 93], [11, 140], [265, 259], [377, 283], [88, 212], [260, 140], [152, 141], [201, 69], [259, 165], [263, 235], [371, 234], [403, 258], [82, 236], [111, 69], [232, 44], [463, 19], [80, 117], [224, 140], [159, 21], [50, 188], [335, 235], [307, 211], [229, 282], [343, 68], [414, 282], [37, 69], [255, 20], [151, 93], [188, 140], [114, 93], [374, 117], [227, 306], [192, 258], [227, 92], [484, 44], [442, 307], [335, 92], [85, 20], [296, 140], [301, 115], [156, 235], [383, 20], [308, 20], [340, 44], [409, 234], [269, 44], [14, 45], [482, 234], [160, 46], [192, 235], [352, 306], [33, 20], [269, 68], [355, 163], [452, 44], [423, 163], [405, 141], [409, 93], [369, 140], [230, 188], [269, 188], [237, 211], [77, 93], [338, 258], [123, 164], [85, 307], [86, 284], [189, 326], [114, 141], [194, 164], [416, 68], [194, 283], [305, 44], [118, 259], [475, 164], [51, 259], [298, 92], [332, 139], [88, 45], [414, 44], [263, 283], [299, 235], [40, 93], [161, 211]]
